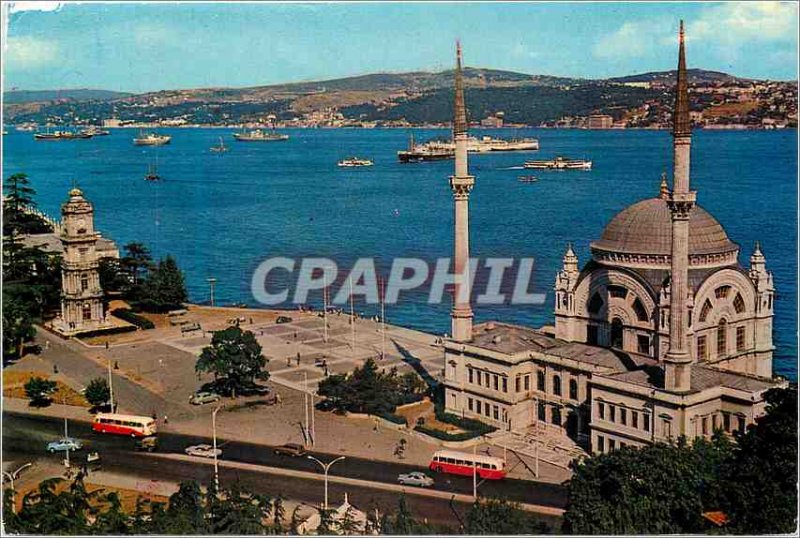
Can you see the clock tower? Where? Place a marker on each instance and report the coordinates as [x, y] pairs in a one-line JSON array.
[[81, 294]]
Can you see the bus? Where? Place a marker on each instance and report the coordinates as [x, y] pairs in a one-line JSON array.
[[132, 425], [449, 461]]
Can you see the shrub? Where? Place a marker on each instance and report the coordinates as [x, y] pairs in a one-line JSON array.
[[463, 423], [391, 417], [447, 436], [128, 315], [40, 391]]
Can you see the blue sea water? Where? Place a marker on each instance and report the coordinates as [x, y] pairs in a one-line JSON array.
[[220, 216]]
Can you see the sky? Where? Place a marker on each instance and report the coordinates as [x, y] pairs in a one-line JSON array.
[[140, 47]]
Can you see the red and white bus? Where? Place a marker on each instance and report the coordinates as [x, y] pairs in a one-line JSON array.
[[449, 461], [124, 424]]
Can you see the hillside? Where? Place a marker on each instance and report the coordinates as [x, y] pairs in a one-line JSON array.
[[77, 95]]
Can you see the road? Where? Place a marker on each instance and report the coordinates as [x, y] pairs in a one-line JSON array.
[[29, 434]]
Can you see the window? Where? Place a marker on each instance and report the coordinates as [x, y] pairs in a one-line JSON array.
[[556, 416], [556, 385], [496, 382], [616, 333], [612, 444], [486, 379], [702, 348], [738, 303], [740, 332], [592, 335], [640, 310], [469, 374], [646, 422], [601, 443], [706, 310], [469, 404], [496, 412], [722, 338], [612, 413], [705, 426], [623, 416], [722, 292], [643, 343], [666, 427], [573, 389], [505, 384], [595, 304], [82, 252], [601, 410], [540, 381], [741, 423], [617, 291], [516, 383], [527, 382], [726, 422], [478, 406], [84, 282], [635, 419], [487, 410], [542, 412], [87, 311]]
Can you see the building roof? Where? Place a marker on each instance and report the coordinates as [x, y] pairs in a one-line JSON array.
[[646, 228], [51, 242], [703, 377]]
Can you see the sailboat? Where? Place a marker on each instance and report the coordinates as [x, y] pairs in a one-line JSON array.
[[152, 171], [221, 148]]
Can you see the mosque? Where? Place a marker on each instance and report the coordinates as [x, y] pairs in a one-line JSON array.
[[661, 334]]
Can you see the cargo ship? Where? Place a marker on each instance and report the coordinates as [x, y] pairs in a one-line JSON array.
[[61, 135], [258, 135], [560, 163], [446, 149]]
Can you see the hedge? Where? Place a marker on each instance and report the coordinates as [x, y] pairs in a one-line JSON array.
[[463, 423], [446, 436], [391, 417], [127, 315]]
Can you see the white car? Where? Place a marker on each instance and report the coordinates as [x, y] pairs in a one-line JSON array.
[[203, 451], [415, 479]]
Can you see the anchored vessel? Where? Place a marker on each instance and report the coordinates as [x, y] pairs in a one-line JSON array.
[[95, 131], [560, 163], [151, 139], [435, 150], [354, 162], [61, 135], [527, 179], [220, 148], [258, 135]]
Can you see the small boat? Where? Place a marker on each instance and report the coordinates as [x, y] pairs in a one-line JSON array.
[[220, 148], [61, 135], [528, 179], [354, 162], [152, 172], [257, 135], [95, 131], [151, 139], [560, 163]]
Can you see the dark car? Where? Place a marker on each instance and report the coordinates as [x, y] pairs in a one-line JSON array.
[[291, 449], [326, 405], [147, 444], [283, 319]]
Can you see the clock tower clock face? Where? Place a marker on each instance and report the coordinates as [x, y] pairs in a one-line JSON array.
[[81, 225]]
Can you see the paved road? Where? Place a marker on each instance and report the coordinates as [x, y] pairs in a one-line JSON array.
[[29, 434]]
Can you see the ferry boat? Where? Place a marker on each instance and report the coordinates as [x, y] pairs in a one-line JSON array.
[[354, 162], [95, 131], [560, 163], [61, 135], [430, 151], [258, 135], [220, 148], [487, 143], [151, 139], [27, 127]]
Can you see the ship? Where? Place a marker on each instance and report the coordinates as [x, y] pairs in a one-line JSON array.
[[95, 131], [528, 179], [61, 135], [220, 148], [258, 135], [354, 162], [430, 151], [560, 163], [151, 139], [446, 149]]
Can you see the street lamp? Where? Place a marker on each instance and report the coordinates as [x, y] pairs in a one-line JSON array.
[[13, 475], [214, 436], [325, 468]]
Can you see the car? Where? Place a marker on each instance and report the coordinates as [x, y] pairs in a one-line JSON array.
[[283, 319], [203, 451], [415, 478], [64, 444], [200, 398], [257, 389], [326, 405], [147, 444], [291, 449]]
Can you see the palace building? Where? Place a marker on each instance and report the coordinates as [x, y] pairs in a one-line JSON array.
[[661, 334]]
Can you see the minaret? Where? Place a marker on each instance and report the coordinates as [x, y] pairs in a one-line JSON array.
[[461, 184], [677, 367]]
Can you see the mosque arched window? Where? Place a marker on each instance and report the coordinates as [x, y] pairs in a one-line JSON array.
[[617, 291], [640, 310], [722, 292], [722, 338], [616, 333], [738, 303], [556, 385], [573, 389], [595, 303], [705, 311]]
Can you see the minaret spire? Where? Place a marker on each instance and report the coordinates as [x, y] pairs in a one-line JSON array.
[[677, 367], [461, 184]]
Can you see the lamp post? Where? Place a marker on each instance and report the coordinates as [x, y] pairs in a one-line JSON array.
[[211, 281], [13, 475], [214, 437], [325, 468]]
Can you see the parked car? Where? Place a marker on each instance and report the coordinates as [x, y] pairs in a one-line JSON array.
[[257, 389], [415, 479], [283, 319], [203, 451], [63, 445], [200, 398], [291, 449], [326, 405], [147, 444]]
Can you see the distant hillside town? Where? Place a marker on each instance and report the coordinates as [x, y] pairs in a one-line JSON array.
[[496, 99]]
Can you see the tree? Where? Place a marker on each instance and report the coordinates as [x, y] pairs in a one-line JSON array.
[[238, 512], [234, 358], [164, 288], [186, 511], [296, 521], [46, 512], [19, 207], [403, 522], [97, 392], [39, 391], [113, 277], [136, 262], [112, 521], [326, 523], [496, 516], [761, 476], [17, 327], [278, 515], [348, 524]]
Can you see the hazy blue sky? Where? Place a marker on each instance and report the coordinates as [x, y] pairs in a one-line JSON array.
[[140, 47]]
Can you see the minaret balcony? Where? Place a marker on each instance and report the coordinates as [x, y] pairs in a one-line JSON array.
[[81, 295], [83, 265], [80, 238]]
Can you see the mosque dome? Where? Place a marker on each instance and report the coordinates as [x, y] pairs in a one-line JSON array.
[[644, 231]]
